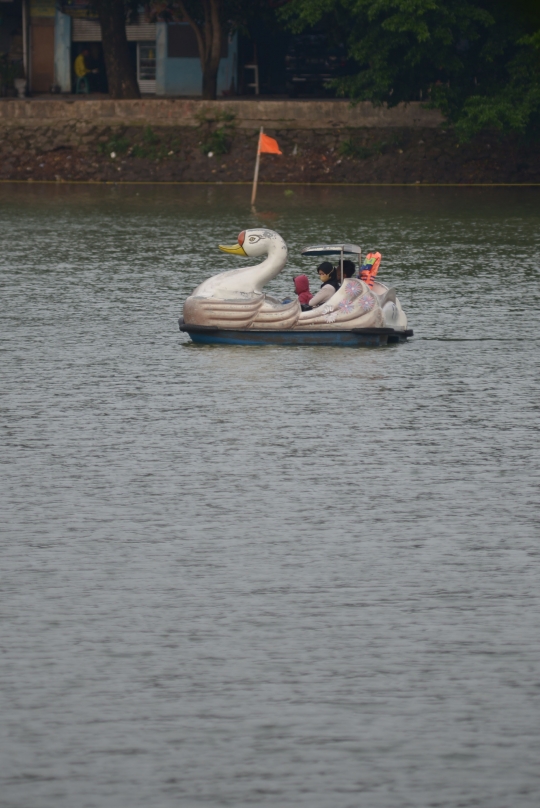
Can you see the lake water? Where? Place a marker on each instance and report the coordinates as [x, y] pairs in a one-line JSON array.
[[268, 576]]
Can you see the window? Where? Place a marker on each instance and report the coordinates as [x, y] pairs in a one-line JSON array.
[[146, 66]]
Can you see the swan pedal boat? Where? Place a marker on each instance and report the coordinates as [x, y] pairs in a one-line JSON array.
[[231, 308]]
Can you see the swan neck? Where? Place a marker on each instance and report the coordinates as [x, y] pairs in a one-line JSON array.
[[271, 266]]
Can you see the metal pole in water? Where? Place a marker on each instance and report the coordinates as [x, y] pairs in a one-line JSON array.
[[256, 174]]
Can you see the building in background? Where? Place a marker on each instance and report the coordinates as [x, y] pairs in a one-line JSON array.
[[27, 43], [178, 67], [166, 55], [44, 38], [77, 32]]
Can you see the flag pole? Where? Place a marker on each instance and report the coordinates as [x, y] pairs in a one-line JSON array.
[[256, 174]]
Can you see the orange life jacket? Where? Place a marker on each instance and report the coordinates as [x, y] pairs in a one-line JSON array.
[[370, 267]]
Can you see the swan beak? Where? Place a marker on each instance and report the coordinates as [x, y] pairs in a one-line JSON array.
[[236, 249]]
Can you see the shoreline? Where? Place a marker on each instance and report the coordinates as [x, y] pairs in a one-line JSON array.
[[283, 184]]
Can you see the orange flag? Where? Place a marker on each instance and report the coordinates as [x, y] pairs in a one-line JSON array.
[[268, 145]]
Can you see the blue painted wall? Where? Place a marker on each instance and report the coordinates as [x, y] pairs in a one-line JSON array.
[[175, 76]]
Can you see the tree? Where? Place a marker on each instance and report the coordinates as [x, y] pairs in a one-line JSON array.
[[512, 106], [206, 20], [121, 72], [476, 60]]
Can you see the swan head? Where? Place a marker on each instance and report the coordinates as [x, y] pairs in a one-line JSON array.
[[256, 242]]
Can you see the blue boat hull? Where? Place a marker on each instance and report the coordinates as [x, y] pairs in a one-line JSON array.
[[357, 337]]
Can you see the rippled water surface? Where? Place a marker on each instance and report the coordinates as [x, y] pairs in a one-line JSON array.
[[268, 576]]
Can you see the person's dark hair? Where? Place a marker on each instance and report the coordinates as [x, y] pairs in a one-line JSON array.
[[348, 268], [328, 269]]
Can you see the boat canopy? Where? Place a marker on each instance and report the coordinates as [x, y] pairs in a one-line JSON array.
[[332, 249]]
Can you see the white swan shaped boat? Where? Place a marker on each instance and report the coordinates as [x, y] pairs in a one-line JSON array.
[[232, 308]]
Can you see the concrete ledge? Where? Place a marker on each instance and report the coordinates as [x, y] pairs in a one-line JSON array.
[[249, 114]]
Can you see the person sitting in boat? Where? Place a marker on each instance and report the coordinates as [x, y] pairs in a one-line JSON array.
[[349, 268], [329, 284], [301, 287]]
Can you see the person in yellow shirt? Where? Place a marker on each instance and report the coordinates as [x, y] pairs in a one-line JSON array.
[[82, 72]]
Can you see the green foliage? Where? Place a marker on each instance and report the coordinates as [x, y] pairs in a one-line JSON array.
[[352, 148], [219, 127], [148, 145], [217, 142], [348, 148], [475, 60], [515, 105], [118, 145]]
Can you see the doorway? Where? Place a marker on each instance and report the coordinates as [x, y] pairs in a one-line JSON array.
[[42, 54], [146, 67]]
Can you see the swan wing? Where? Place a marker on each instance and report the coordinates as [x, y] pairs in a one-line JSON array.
[[210, 311], [277, 315], [354, 305]]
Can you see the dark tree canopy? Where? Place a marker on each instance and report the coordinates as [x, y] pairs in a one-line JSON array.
[[476, 60]]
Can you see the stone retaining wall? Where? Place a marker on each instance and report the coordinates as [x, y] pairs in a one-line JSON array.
[[248, 114], [167, 140], [80, 151]]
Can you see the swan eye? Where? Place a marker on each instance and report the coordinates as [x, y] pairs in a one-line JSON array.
[[253, 239]]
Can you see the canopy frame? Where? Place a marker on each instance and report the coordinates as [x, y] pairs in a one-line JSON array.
[[335, 249]]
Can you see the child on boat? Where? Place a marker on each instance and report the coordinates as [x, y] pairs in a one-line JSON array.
[[301, 287]]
